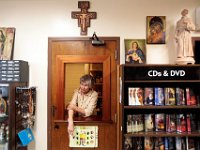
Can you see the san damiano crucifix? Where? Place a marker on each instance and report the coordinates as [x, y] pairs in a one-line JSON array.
[[83, 16]]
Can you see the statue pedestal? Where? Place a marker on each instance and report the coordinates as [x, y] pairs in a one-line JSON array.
[[185, 61]]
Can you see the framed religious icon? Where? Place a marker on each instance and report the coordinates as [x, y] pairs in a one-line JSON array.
[[135, 51], [7, 36], [156, 29]]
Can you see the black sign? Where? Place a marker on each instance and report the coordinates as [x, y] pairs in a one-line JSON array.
[[161, 72]]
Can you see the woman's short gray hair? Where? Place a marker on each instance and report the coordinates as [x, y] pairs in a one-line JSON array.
[[87, 79]]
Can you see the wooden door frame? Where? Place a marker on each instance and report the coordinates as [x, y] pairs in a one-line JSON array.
[[49, 97], [61, 60]]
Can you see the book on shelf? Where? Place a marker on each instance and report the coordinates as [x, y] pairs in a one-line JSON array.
[[128, 143], [135, 123], [190, 97], [159, 143], [138, 143], [160, 122], [170, 96], [133, 143], [135, 96], [190, 143], [180, 96], [149, 143], [171, 122], [129, 124], [166, 143], [197, 144], [149, 122], [159, 96], [192, 122], [181, 123], [148, 96], [170, 143], [180, 143]]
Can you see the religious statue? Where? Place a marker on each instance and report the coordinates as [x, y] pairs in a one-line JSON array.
[[184, 26]]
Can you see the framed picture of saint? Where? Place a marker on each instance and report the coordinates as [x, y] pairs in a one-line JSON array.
[[135, 51], [156, 29], [7, 36]]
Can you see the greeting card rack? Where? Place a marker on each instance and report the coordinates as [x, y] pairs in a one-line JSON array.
[[134, 107]]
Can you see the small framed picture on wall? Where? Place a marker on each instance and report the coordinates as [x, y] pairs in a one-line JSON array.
[[135, 51], [7, 36], [156, 29]]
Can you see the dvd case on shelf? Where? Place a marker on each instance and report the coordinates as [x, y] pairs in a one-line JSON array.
[[149, 122], [159, 96], [180, 96], [135, 96], [160, 122], [148, 96], [170, 96]]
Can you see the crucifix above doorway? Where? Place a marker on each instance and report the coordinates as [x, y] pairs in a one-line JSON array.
[[83, 16]]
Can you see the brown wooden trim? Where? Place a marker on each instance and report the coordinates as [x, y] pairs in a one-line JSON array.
[[60, 63]]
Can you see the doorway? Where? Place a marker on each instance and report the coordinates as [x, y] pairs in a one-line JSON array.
[[68, 59]]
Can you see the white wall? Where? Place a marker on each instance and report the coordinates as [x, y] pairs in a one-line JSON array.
[[36, 20]]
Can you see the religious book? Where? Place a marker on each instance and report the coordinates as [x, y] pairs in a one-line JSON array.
[[190, 97], [170, 98], [180, 96], [171, 122], [138, 143], [149, 143], [181, 123], [135, 96], [159, 96], [159, 143], [149, 122], [128, 143], [160, 122], [148, 96]]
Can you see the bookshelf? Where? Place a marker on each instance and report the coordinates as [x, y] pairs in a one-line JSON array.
[[138, 78]]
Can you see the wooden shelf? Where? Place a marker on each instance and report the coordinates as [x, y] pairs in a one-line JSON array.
[[162, 107], [163, 134]]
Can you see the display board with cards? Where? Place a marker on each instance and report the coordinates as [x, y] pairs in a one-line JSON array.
[[160, 106], [84, 136]]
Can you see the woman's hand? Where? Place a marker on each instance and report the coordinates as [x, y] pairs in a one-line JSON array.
[[70, 127]]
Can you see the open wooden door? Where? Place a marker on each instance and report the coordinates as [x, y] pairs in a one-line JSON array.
[[65, 58]]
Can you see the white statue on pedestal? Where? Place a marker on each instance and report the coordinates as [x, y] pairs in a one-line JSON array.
[[184, 26]]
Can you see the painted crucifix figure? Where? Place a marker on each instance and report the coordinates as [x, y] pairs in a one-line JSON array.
[[84, 16]]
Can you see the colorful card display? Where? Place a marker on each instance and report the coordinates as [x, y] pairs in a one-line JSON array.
[[84, 136]]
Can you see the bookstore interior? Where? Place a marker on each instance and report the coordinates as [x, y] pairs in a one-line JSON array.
[[96, 102]]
